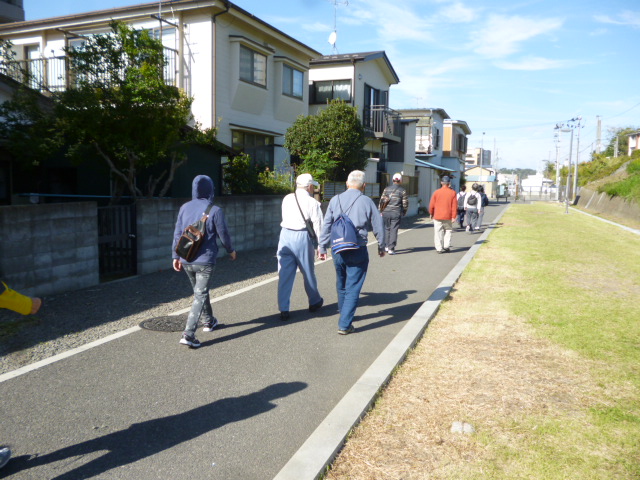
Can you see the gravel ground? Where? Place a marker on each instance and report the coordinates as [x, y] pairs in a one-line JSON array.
[[69, 320]]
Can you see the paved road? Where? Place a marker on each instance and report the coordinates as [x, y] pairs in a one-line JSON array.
[[142, 406]]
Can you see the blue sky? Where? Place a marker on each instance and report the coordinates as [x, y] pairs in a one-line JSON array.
[[512, 70]]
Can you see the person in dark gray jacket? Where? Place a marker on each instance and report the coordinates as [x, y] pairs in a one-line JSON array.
[[394, 203], [200, 270]]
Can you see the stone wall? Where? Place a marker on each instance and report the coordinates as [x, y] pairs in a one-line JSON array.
[[604, 204], [253, 221], [49, 248]]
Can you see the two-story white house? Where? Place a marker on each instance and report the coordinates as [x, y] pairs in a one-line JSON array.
[[247, 78], [362, 80]]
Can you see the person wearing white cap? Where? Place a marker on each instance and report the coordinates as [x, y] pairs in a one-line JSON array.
[[394, 203], [296, 248]]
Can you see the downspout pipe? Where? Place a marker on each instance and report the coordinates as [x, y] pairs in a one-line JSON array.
[[214, 43]]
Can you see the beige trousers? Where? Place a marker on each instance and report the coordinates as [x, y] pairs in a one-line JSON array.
[[442, 234]]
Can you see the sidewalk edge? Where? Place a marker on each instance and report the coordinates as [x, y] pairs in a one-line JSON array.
[[320, 449]]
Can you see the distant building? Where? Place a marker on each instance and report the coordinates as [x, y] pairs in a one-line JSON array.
[[478, 157], [536, 185], [483, 176], [634, 142], [11, 11]]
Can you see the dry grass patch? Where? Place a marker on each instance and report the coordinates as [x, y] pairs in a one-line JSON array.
[[476, 364]]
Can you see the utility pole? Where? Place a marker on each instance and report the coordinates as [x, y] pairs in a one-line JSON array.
[[557, 128], [575, 175], [599, 135], [567, 194]]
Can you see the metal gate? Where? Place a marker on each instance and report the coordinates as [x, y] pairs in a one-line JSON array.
[[117, 241]]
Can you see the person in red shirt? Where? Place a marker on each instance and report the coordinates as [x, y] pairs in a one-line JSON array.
[[443, 209]]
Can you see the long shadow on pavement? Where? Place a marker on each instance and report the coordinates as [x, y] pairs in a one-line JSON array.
[[148, 438]]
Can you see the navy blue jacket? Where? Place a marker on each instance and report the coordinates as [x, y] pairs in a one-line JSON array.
[[202, 192]]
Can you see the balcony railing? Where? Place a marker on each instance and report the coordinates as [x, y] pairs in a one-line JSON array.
[[383, 122], [53, 75]]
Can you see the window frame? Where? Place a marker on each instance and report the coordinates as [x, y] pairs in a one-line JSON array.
[[333, 83], [289, 73], [259, 146], [254, 55]]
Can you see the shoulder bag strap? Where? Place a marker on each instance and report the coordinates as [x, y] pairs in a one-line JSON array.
[[296, 197]]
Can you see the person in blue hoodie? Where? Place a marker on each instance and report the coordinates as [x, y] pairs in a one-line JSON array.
[[200, 270]]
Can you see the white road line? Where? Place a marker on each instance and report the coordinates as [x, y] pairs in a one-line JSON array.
[[69, 353]]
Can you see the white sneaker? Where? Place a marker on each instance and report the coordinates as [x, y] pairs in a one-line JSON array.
[[208, 327], [5, 455], [189, 341]]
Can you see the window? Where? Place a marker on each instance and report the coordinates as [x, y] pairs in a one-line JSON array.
[[253, 66], [332, 90], [258, 147], [292, 81], [436, 138]]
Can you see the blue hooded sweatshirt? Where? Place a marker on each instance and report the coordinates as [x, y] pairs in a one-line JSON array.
[[202, 192]]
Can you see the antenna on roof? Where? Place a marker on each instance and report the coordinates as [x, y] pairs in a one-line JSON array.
[[334, 35]]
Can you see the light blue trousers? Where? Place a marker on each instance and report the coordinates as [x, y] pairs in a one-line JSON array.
[[295, 251]]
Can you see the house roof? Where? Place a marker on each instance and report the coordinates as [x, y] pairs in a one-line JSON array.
[[355, 57], [140, 10], [422, 163], [423, 112], [459, 123], [481, 178]]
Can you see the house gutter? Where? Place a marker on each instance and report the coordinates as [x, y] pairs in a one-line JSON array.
[[214, 69]]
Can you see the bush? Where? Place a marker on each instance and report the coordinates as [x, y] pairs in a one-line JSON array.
[[243, 178]]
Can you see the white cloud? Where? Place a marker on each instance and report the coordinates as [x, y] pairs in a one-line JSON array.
[[458, 13], [501, 35], [535, 63], [391, 22], [627, 18]]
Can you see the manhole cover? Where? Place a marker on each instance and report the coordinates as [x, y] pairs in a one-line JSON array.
[[168, 323]]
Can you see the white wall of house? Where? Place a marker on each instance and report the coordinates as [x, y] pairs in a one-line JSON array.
[[211, 56]]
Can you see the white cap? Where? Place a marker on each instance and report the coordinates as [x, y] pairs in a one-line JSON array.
[[397, 176], [305, 180]]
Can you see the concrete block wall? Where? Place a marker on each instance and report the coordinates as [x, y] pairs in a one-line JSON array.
[[603, 203], [49, 248], [253, 221]]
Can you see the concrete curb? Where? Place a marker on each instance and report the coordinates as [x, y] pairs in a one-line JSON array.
[[624, 227], [319, 450]]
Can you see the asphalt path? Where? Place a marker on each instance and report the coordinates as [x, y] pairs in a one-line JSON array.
[[238, 408]]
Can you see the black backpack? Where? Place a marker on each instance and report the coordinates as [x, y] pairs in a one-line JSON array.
[[473, 200]]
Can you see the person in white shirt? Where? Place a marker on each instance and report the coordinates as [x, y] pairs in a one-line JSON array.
[[473, 207], [296, 249]]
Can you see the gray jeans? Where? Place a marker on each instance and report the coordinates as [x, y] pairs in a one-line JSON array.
[[201, 277]]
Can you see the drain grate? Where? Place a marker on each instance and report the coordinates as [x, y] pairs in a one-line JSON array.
[[167, 323]]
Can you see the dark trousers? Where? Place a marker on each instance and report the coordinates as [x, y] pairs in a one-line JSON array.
[[391, 226]]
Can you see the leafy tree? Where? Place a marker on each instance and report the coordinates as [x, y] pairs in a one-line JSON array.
[[522, 172], [330, 142], [119, 108], [622, 134]]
